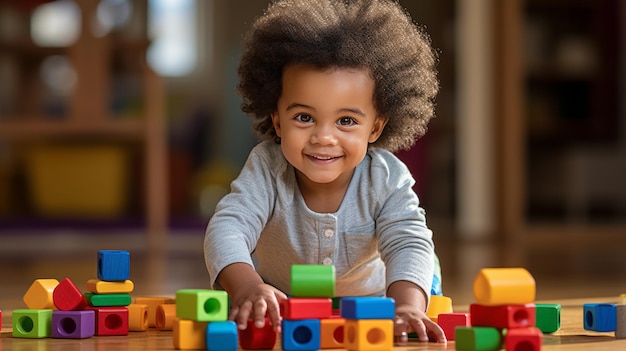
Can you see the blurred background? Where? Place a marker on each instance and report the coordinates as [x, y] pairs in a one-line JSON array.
[[120, 128]]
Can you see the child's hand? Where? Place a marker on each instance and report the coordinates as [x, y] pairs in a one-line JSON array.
[[410, 319], [253, 301]]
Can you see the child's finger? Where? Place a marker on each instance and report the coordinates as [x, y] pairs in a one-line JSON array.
[[244, 313], [260, 306]]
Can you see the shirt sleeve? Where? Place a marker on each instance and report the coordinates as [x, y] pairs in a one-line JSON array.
[[233, 231], [405, 242]]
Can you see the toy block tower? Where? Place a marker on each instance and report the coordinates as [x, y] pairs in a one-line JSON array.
[[201, 321], [504, 312], [369, 323]]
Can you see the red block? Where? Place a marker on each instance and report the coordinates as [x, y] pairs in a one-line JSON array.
[[527, 339], [503, 316], [67, 297], [253, 338], [111, 320], [306, 308], [449, 321]]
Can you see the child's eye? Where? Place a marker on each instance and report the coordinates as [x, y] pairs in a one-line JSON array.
[[303, 117], [346, 121]]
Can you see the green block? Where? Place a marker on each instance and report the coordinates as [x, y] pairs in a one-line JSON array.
[[32, 324], [108, 300], [311, 280], [477, 338], [548, 317], [202, 305]]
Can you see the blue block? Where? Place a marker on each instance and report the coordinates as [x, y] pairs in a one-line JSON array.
[[113, 265], [221, 336], [600, 317], [301, 335], [367, 308]]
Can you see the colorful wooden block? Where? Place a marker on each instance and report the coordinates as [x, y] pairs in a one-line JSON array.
[[137, 317], [306, 308], [165, 316], [153, 303], [620, 321], [478, 338], [332, 333], [527, 339], [73, 324], [108, 300], [368, 334], [111, 320], [221, 336], [98, 286], [253, 338], [39, 294], [312, 280], [449, 321], [504, 286], [301, 335], [189, 335], [202, 305], [367, 307], [548, 317], [67, 297], [32, 324], [622, 299], [503, 316], [438, 304], [113, 265], [600, 317]]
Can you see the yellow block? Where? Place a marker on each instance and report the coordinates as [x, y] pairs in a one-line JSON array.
[[504, 286], [332, 333], [189, 335], [438, 304], [98, 286], [137, 317], [153, 303], [39, 295], [368, 334], [622, 299], [165, 316]]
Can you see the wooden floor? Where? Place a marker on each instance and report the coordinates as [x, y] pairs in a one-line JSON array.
[[571, 278]]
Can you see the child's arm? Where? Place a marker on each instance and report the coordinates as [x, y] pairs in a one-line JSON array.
[[251, 297], [411, 310]]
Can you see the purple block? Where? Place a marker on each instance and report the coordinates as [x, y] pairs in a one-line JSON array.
[[73, 324]]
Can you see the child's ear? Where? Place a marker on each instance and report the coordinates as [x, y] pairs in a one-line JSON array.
[[276, 123], [377, 129]]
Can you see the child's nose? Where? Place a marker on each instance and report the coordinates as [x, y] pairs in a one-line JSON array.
[[323, 134]]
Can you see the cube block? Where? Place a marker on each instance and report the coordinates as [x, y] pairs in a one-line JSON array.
[[449, 321], [221, 336], [39, 294], [367, 308], [113, 265], [67, 297], [306, 308], [504, 286], [310, 280], [368, 335], [527, 339], [253, 338], [137, 317], [503, 316], [111, 320], [548, 317], [301, 335], [73, 324], [600, 317], [32, 324], [202, 305], [189, 335], [332, 333]]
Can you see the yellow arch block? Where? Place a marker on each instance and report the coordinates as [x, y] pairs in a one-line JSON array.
[[39, 295], [504, 286], [438, 304], [368, 334], [98, 286]]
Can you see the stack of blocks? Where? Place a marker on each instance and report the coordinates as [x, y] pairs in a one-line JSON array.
[[201, 321], [59, 310], [504, 312]]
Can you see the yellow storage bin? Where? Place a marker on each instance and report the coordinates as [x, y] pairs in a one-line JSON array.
[[77, 180]]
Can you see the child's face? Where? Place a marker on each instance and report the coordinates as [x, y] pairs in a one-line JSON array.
[[325, 119]]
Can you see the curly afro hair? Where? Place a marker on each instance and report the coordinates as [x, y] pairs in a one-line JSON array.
[[374, 34]]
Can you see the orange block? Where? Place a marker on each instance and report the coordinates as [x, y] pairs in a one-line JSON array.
[[368, 334], [332, 333], [39, 295], [189, 335], [165, 316], [98, 286], [137, 317], [438, 305], [504, 286], [153, 303]]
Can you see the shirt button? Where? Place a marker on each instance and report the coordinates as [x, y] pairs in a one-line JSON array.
[[327, 261], [329, 233]]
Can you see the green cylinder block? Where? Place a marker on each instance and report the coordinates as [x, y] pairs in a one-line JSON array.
[[478, 338], [312, 280]]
